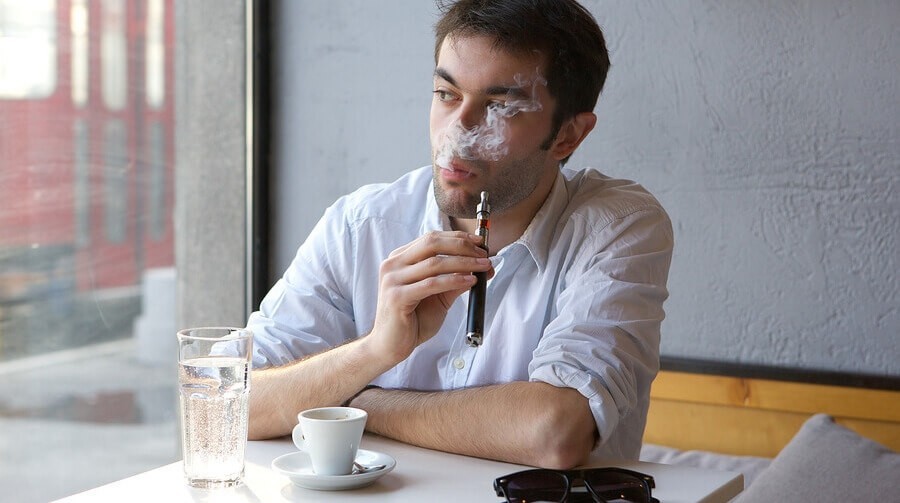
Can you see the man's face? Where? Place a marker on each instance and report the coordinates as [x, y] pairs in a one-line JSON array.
[[490, 115]]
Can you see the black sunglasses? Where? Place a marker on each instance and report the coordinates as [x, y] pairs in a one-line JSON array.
[[603, 485]]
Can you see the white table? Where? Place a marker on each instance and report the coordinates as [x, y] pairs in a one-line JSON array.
[[420, 475]]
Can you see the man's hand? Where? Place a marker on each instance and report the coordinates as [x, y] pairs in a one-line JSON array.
[[418, 283]]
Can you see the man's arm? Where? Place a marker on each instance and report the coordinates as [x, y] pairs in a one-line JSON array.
[[418, 283], [604, 342], [530, 423], [326, 379]]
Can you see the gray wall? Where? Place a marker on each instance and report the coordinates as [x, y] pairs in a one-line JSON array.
[[769, 130]]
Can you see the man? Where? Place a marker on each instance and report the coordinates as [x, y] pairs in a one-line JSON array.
[[372, 311]]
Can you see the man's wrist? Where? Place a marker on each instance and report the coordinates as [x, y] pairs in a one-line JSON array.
[[349, 401], [377, 353]]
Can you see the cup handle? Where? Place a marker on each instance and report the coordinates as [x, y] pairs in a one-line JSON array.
[[297, 435]]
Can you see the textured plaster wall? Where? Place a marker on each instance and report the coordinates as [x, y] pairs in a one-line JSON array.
[[769, 130], [353, 90]]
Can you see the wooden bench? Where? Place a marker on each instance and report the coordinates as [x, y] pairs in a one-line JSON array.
[[755, 416]]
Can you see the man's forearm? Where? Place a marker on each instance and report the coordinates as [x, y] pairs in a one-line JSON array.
[[326, 379], [529, 423]]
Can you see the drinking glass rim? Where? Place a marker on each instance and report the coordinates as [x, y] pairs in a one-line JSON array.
[[234, 333]]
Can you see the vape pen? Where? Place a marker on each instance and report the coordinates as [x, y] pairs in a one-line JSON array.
[[475, 321]]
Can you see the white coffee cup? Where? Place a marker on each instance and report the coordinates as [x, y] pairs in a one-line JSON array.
[[331, 436]]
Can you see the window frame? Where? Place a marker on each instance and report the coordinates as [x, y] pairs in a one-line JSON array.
[[220, 245]]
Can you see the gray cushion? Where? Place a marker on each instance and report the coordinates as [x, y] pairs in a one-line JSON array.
[[749, 466], [827, 462]]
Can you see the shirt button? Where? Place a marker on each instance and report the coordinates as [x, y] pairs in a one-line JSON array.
[[459, 363]]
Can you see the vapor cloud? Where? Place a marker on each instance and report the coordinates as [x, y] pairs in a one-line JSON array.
[[487, 141]]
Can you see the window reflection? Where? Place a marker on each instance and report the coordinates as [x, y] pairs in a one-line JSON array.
[[156, 184], [114, 55], [27, 48], [155, 54], [115, 181], [79, 27], [82, 183]]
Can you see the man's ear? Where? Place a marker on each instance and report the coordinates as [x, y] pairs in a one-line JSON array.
[[571, 134]]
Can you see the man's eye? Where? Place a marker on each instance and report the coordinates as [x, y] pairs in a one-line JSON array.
[[443, 95], [502, 108]]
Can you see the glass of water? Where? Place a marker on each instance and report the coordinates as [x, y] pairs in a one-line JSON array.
[[214, 382]]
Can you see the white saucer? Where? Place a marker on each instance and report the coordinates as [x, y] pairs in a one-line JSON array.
[[298, 467]]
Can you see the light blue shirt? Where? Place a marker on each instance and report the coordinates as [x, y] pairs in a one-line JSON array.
[[576, 302]]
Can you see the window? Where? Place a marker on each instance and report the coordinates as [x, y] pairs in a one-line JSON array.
[[87, 252]]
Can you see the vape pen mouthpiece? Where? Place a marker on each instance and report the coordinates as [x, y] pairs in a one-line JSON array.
[[484, 206]]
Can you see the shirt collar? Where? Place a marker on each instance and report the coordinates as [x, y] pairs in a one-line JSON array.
[[538, 236]]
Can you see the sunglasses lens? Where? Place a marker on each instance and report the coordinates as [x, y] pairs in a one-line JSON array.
[[536, 485], [618, 487]]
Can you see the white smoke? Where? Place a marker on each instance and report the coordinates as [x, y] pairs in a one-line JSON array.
[[487, 141]]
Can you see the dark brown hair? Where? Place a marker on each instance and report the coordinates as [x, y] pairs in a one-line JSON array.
[[562, 30]]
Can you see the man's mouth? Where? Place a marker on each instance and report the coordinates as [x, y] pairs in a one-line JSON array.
[[456, 166], [454, 170]]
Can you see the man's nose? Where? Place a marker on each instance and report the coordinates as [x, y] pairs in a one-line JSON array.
[[470, 114]]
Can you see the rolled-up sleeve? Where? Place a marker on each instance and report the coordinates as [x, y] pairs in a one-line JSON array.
[[604, 339]]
